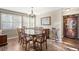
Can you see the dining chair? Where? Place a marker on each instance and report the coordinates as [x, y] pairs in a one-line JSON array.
[[41, 39], [24, 39], [19, 35]]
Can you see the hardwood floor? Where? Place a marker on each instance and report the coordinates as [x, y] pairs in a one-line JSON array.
[[71, 42], [66, 45]]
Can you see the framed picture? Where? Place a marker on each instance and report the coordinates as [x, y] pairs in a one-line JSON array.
[[46, 20]]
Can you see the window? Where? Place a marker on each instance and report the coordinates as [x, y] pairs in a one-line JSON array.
[[9, 21], [32, 21], [17, 21], [25, 21], [6, 21]]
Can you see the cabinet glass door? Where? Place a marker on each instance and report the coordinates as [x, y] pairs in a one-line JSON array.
[[70, 26]]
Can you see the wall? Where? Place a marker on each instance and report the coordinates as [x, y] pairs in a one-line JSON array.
[[56, 21]]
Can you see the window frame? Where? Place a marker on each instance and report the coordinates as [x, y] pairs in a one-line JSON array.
[[9, 22]]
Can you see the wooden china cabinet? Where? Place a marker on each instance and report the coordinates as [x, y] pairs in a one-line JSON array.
[[70, 23]]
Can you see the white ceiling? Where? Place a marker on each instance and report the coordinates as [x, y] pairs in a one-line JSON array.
[[37, 10]]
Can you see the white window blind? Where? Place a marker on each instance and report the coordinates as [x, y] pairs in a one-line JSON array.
[[26, 21], [9, 21]]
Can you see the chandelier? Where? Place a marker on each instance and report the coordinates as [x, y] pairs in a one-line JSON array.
[[32, 20], [32, 12]]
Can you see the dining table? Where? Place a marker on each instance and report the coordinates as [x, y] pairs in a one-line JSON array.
[[33, 33]]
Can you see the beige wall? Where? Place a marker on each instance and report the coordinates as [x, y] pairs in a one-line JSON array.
[[56, 21]]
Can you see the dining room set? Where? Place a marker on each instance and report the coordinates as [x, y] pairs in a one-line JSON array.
[[34, 41]]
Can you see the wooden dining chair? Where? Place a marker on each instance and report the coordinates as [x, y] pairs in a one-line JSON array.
[[19, 35], [24, 39], [41, 39], [19, 32]]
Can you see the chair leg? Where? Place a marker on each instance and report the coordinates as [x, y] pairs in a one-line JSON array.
[[46, 45], [29, 46], [26, 47], [41, 46], [22, 43]]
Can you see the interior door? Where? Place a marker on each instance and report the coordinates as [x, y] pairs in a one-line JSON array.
[[70, 26]]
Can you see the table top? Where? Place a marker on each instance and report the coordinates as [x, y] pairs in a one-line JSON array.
[[35, 33]]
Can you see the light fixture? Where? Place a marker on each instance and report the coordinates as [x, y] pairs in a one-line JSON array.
[[32, 18], [32, 12], [67, 9]]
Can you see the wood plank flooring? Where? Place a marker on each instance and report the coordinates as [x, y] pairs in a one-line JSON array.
[[66, 45]]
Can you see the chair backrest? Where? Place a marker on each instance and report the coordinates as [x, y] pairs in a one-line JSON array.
[[38, 30], [20, 32], [46, 33], [42, 36]]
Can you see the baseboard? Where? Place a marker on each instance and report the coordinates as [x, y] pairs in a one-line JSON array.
[[12, 37]]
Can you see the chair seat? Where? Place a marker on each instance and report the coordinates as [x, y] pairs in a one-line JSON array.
[[40, 41]]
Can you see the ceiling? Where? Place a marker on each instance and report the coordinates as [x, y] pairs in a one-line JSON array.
[[37, 10]]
